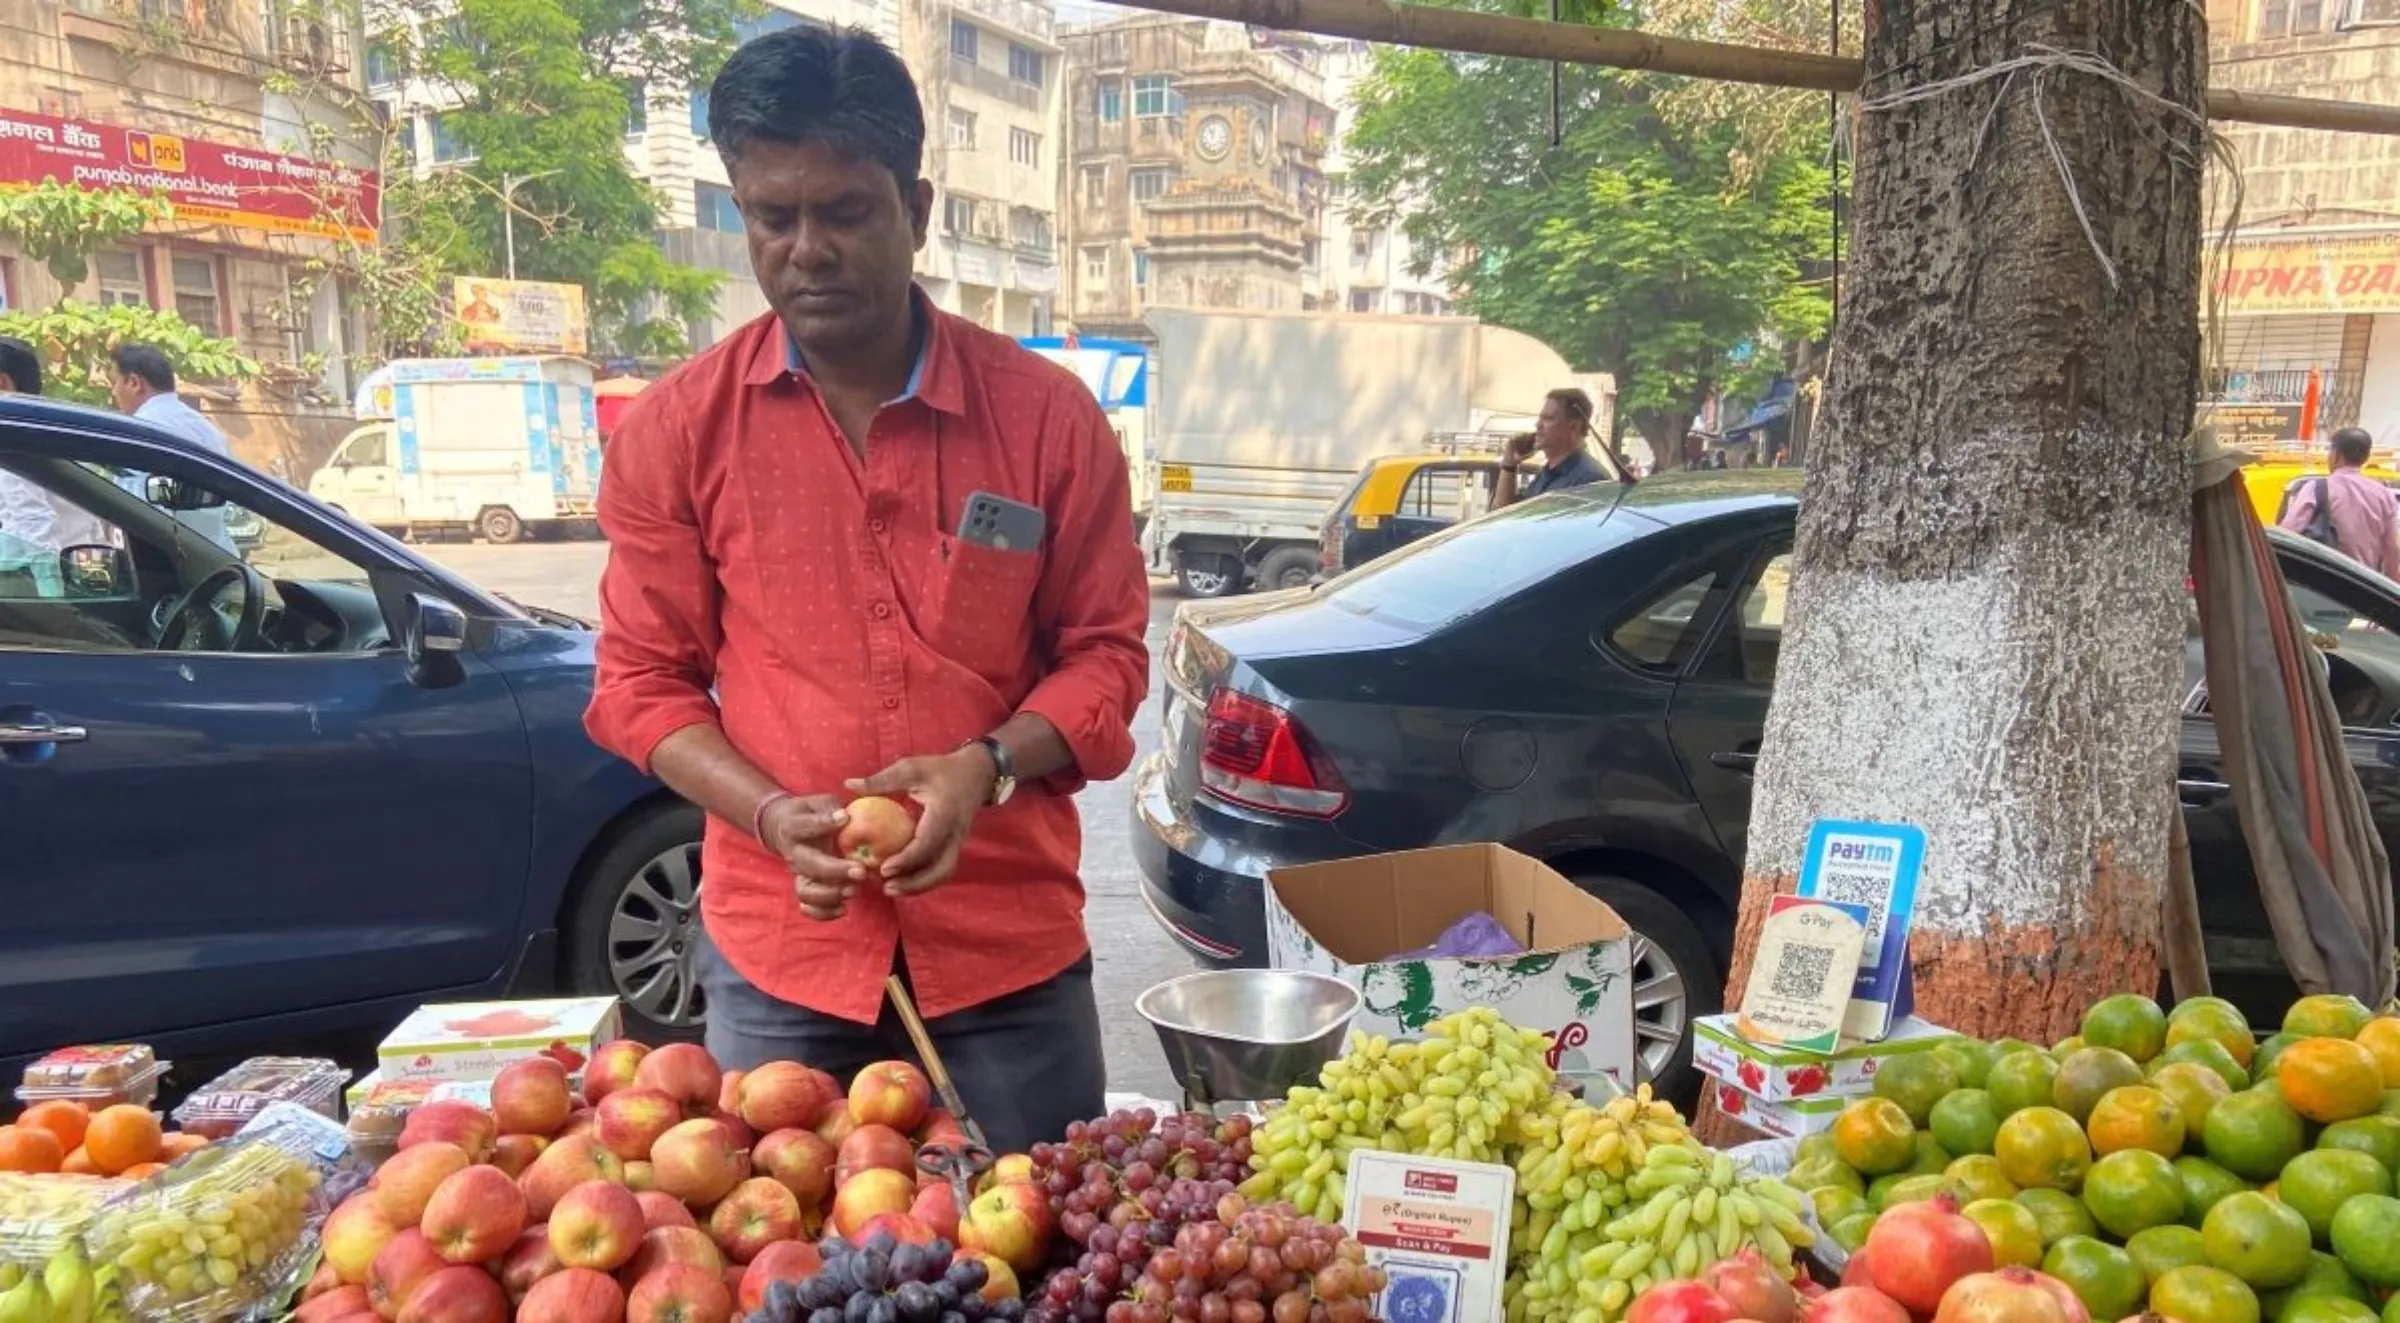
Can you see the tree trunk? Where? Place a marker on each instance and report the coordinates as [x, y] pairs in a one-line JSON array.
[[1986, 616], [1665, 430]]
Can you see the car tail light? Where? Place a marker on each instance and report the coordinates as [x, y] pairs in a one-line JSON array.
[[1255, 754]]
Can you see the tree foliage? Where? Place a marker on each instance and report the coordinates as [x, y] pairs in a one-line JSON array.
[[61, 225], [74, 339]]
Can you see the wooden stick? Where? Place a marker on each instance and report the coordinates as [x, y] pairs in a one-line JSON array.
[[1617, 48], [918, 1035]]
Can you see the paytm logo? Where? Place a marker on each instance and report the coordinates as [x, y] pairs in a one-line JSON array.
[[1855, 850]]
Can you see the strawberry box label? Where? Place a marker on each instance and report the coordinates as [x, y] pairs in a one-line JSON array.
[[1788, 1119], [473, 1040], [1775, 1074]]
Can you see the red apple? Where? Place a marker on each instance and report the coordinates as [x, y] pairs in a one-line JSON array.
[[354, 1234], [729, 1091], [661, 1246], [1000, 1280], [611, 1068], [877, 829], [449, 1121], [837, 1122], [872, 1146], [696, 1161], [561, 1167], [902, 1228], [575, 1295], [684, 1072], [661, 1209], [597, 1225], [756, 1214], [892, 1093], [937, 1207], [405, 1183], [736, 1129], [780, 1095], [734, 1272], [783, 1261], [474, 1215], [869, 1194], [1009, 1222], [463, 1293], [512, 1154], [403, 1264], [631, 1120], [531, 1097], [1009, 1169], [582, 1121], [680, 1293], [527, 1261], [801, 1159], [323, 1280], [336, 1303]]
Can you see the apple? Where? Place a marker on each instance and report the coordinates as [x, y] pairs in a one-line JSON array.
[[1000, 1280], [661, 1209], [780, 1095], [869, 1193], [333, 1304], [736, 1129], [474, 1215], [462, 1293], [756, 1214], [734, 1272], [729, 1091], [661, 1246], [696, 1161], [324, 1279], [902, 1228], [872, 1146], [528, 1260], [530, 1097], [353, 1234], [878, 828], [1009, 1222], [561, 1167], [684, 1072], [892, 1093], [631, 1120], [1009, 1169], [512, 1154], [783, 1261], [581, 1121], [574, 1295], [598, 1225], [404, 1262], [611, 1068], [801, 1159], [837, 1122], [680, 1293], [449, 1121], [937, 1207], [406, 1181]]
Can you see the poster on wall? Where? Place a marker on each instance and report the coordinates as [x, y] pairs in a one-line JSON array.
[[519, 316], [2322, 274], [208, 182]]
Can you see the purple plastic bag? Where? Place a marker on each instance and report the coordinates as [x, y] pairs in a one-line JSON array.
[[1476, 936]]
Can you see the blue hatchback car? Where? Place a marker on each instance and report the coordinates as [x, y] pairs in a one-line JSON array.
[[294, 789]]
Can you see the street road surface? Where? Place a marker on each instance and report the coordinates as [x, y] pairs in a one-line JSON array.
[[1129, 953]]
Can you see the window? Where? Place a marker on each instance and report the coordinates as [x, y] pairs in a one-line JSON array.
[[196, 296], [962, 129], [713, 208], [1362, 300], [383, 67], [1436, 493], [447, 145], [1154, 95], [1148, 185], [1024, 65], [1030, 229], [1659, 633], [1469, 566], [2292, 18], [1362, 245], [1141, 270], [1024, 147], [958, 215], [966, 40], [123, 283], [700, 113], [637, 107], [1746, 648], [1111, 99], [1095, 264], [1095, 185], [2332, 611]]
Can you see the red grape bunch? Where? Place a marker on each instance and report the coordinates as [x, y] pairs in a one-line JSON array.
[[1116, 1252], [1252, 1264], [1117, 1169]]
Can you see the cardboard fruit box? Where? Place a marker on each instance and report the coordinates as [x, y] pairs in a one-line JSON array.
[[1795, 1118], [1575, 982], [473, 1040], [1780, 1074]]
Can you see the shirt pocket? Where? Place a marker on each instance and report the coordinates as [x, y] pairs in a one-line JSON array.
[[983, 605]]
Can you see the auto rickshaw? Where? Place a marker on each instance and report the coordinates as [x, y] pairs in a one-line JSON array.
[[1398, 499]]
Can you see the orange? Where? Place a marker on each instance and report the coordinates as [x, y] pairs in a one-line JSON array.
[[1917, 1081], [123, 1136], [1874, 1136], [2132, 1191], [78, 1163], [2329, 1079], [2366, 1238], [2201, 1294], [2104, 1277], [2136, 1117], [2257, 1239], [2195, 1090], [2252, 1134], [142, 1170], [177, 1143], [2329, 1015], [61, 1118], [2317, 1183], [29, 1148], [2382, 1037], [2043, 1148], [2086, 1074], [2015, 1233], [2129, 1022], [2212, 1019]]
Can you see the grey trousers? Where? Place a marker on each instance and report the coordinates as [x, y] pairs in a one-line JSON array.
[[1025, 1064]]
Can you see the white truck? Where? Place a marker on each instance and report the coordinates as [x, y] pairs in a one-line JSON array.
[[1260, 420], [505, 447]]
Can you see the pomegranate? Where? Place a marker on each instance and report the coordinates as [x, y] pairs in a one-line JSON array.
[[1856, 1304], [1917, 1250], [2011, 1295], [1756, 1291], [1681, 1302]]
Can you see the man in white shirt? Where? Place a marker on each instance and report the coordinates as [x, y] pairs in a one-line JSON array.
[[29, 514], [145, 388]]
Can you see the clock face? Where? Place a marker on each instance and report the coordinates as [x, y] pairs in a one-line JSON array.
[[1216, 137]]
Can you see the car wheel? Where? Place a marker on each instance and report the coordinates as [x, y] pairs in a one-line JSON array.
[[632, 934], [1675, 981], [1208, 576], [500, 525], [1287, 567]]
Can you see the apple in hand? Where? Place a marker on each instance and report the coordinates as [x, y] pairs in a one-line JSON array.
[[1009, 1222], [684, 1072], [530, 1097], [870, 1194], [878, 828], [631, 1120], [474, 1215], [890, 1093], [575, 1295], [611, 1068], [756, 1214], [783, 1261], [597, 1225], [697, 1162]]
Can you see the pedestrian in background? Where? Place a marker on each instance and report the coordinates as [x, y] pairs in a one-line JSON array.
[[144, 386], [2347, 510], [29, 513], [1558, 435], [796, 610]]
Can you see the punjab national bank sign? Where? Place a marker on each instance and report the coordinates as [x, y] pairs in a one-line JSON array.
[[205, 181], [2320, 274]]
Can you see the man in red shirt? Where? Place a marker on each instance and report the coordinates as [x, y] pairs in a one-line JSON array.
[[791, 616]]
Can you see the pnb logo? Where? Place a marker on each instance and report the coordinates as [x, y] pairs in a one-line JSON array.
[[156, 151], [1856, 850]]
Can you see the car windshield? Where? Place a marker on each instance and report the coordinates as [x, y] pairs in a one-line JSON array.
[[1470, 566]]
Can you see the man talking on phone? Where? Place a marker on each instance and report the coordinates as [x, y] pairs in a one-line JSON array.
[[864, 547]]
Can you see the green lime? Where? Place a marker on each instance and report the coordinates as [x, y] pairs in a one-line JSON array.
[[2376, 1136], [1976, 1176], [2204, 1052], [2252, 1134], [2020, 1080], [2317, 1183], [2087, 1075], [2204, 1183], [2256, 1239], [1833, 1204], [1972, 1058], [2262, 1063], [2130, 1023], [1916, 1081], [2058, 1214], [2325, 1309], [2201, 1294], [2159, 1249], [2066, 1047], [2105, 1278], [2132, 1190], [1965, 1122], [2366, 1237], [2325, 1276], [1931, 1158]]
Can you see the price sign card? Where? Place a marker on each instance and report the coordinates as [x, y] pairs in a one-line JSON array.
[[1438, 1228], [1800, 981], [1874, 865]]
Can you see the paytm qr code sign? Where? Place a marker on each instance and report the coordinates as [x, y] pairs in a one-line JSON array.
[[1874, 866]]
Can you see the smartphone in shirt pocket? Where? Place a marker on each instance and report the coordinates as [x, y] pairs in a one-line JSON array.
[[983, 593]]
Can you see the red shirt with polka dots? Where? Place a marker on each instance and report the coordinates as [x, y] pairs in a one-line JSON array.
[[843, 626]]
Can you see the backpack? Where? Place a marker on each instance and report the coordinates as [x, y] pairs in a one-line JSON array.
[[2320, 520]]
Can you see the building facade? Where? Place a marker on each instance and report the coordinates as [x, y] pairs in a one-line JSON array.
[[1368, 267], [1195, 175], [229, 109], [2310, 288]]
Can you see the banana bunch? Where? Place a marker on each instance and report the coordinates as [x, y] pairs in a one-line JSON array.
[[66, 1290]]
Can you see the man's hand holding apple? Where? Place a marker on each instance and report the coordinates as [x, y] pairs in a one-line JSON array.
[[799, 828], [949, 788]]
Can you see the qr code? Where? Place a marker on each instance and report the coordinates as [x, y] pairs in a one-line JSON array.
[[1802, 971], [1871, 892]]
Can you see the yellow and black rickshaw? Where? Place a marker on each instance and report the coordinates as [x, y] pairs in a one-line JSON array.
[[1398, 499]]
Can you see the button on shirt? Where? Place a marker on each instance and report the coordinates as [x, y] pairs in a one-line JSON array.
[[1578, 469], [2366, 517], [843, 627]]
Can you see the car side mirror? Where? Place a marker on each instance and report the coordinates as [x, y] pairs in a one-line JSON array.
[[436, 635], [96, 570], [175, 494]]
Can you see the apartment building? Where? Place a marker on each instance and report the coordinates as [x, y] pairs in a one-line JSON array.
[[208, 102], [1195, 171], [2310, 289], [1368, 267]]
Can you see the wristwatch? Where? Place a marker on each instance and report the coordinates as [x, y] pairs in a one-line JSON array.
[[1004, 769]]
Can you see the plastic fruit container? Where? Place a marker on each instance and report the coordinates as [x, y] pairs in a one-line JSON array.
[[96, 1075], [225, 1104], [41, 1213]]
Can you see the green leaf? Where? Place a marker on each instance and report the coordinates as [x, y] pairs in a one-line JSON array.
[[74, 339]]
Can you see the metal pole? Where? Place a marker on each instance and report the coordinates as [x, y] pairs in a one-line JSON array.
[[508, 220]]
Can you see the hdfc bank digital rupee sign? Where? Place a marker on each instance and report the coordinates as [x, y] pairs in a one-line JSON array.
[[203, 181]]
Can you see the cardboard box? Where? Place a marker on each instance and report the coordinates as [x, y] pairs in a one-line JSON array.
[[1794, 1119], [473, 1040], [1346, 918], [1784, 1074]]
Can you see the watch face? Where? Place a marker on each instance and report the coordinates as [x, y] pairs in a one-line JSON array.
[[1216, 137]]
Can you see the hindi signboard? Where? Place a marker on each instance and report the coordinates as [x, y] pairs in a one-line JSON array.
[[246, 187], [519, 316]]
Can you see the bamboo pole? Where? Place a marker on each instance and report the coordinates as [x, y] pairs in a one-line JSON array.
[[1576, 43]]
